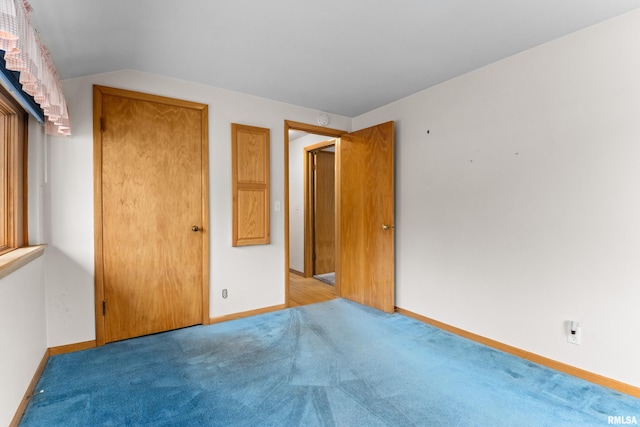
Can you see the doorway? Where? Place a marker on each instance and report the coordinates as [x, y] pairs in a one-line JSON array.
[[364, 230], [302, 143], [323, 214], [319, 211]]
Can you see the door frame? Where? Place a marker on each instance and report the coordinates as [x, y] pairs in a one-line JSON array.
[[309, 203], [317, 130], [98, 92]]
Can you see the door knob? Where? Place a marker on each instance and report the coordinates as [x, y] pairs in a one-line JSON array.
[[385, 227], [195, 228]]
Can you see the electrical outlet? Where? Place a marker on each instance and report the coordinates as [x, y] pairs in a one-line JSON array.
[[575, 338]]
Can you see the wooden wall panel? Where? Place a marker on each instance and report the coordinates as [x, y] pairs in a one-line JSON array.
[[250, 156], [252, 204]]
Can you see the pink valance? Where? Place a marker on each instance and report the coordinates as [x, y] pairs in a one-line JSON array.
[[25, 53]]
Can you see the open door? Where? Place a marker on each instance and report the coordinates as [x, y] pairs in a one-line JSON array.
[[365, 217]]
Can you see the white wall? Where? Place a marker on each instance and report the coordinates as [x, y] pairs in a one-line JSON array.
[[23, 330], [23, 333], [254, 276], [296, 198], [518, 199]]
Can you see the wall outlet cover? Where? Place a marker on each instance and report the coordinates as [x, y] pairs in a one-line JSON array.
[[575, 338]]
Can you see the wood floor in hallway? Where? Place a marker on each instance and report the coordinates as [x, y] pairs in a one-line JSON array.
[[304, 291]]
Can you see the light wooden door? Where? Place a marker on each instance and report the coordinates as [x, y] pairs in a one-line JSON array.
[[151, 185], [366, 217], [324, 235]]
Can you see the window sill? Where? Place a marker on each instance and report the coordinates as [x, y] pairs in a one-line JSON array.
[[11, 261]]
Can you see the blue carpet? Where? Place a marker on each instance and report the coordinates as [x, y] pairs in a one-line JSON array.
[[334, 363]]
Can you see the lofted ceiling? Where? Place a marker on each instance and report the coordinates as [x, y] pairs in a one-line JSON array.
[[338, 56]]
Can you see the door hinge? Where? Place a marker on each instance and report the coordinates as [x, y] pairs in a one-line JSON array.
[[313, 257], [102, 124], [104, 308]]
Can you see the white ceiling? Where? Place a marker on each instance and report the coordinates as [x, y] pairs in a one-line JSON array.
[[338, 56]]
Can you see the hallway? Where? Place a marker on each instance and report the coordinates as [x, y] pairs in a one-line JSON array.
[[304, 291]]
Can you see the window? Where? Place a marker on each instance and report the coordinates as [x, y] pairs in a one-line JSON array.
[[13, 183]]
